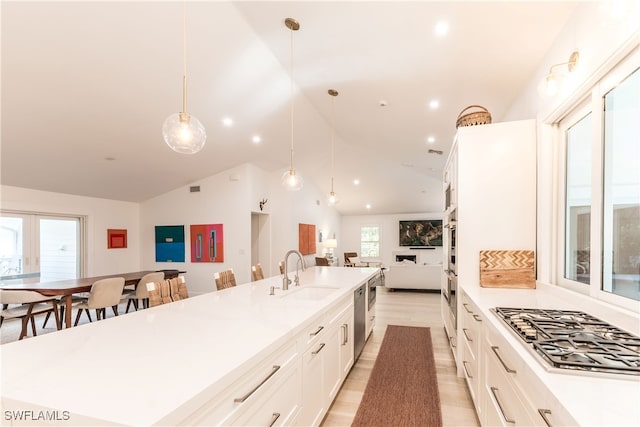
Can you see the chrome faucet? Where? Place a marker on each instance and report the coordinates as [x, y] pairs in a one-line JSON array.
[[285, 279]]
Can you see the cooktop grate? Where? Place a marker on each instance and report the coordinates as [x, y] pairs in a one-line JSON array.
[[575, 340]]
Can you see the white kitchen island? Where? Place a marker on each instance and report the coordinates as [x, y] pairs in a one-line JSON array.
[[178, 363]]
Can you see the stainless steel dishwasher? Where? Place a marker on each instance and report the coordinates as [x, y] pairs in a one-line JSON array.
[[359, 319]]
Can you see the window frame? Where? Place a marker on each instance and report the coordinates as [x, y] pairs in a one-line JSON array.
[[592, 102], [379, 241]]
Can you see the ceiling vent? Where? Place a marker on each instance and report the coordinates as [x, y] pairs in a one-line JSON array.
[[432, 151], [194, 189]]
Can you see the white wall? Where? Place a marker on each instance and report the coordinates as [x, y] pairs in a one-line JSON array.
[[598, 30], [229, 198], [101, 214], [349, 241]]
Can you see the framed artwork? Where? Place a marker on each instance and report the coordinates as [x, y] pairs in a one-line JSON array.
[[170, 243], [207, 243], [116, 238], [307, 239]]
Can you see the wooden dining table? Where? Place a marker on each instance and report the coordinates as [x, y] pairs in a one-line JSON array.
[[68, 287]]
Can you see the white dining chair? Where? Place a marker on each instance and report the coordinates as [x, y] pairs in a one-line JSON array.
[[104, 293], [140, 296]]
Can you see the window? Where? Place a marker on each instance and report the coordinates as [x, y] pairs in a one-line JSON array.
[[41, 246], [370, 241], [600, 234]]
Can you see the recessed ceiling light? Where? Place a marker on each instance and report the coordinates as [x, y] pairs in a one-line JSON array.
[[256, 139], [227, 121], [434, 103], [356, 182], [441, 28], [368, 206], [431, 139]]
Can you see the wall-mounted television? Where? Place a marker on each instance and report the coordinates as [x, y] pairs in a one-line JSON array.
[[420, 233]]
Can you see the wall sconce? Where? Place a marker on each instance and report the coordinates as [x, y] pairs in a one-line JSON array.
[[549, 86]]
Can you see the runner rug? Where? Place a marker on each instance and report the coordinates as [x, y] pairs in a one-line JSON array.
[[403, 388]]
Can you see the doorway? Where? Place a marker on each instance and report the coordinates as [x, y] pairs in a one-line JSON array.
[[261, 241]]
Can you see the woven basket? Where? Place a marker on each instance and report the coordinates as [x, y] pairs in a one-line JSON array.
[[473, 118]]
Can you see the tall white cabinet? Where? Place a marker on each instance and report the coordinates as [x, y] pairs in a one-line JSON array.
[[490, 186]]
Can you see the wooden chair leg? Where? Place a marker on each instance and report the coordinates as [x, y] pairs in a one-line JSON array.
[[98, 313], [145, 303], [56, 315], [78, 316], [115, 310], [4, 307], [33, 325], [129, 305], [23, 332], [46, 319]]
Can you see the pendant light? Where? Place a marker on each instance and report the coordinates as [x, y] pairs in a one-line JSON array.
[[181, 131], [332, 195], [291, 180]]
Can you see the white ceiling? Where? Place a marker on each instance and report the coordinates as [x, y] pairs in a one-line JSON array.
[[86, 81]]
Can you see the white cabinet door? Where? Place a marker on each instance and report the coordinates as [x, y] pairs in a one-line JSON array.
[[346, 343], [331, 365], [313, 406]]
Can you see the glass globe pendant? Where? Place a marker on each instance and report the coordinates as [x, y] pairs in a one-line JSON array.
[[182, 132], [290, 180]]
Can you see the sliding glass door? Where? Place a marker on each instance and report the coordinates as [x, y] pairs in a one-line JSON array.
[[33, 245]]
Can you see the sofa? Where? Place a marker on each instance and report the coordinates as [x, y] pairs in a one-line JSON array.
[[408, 275]]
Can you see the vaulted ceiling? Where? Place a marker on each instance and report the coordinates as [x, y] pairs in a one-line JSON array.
[[86, 87]]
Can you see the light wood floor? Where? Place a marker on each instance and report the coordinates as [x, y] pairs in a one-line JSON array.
[[407, 308]]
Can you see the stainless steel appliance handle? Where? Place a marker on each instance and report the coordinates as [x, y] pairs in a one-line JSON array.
[[253, 390], [274, 418], [466, 371], [495, 396], [317, 331], [319, 348], [495, 349], [543, 413]]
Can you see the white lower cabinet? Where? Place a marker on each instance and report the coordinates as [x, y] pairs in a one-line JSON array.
[[277, 371], [471, 348], [515, 396], [326, 363], [294, 385]]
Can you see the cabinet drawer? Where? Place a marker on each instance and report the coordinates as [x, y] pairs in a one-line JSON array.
[[279, 404], [498, 349], [505, 405], [470, 372], [313, 332], [222, 407]]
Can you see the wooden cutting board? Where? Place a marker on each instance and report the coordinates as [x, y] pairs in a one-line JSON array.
[[507, 269]]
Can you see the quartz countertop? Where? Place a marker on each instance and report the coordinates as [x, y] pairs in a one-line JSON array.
[[146, 367], [591, 399]]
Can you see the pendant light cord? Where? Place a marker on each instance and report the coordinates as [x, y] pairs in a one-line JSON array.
[[333, 122], [291, 89], [184, 56]]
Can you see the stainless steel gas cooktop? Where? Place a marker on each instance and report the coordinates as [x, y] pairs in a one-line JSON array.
[[575, 340]]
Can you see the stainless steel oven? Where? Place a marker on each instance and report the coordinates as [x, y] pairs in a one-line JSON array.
[[452, 272], [374, 282]]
